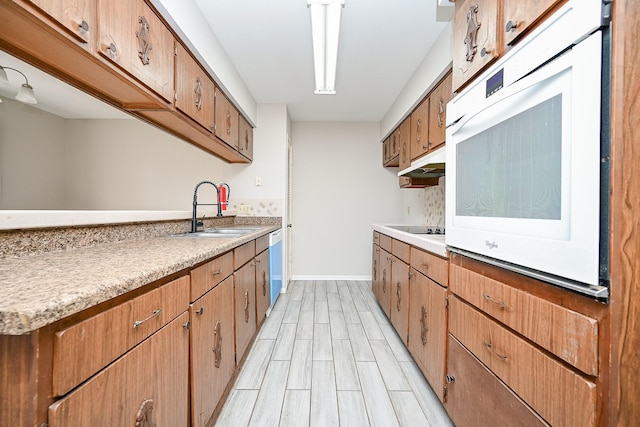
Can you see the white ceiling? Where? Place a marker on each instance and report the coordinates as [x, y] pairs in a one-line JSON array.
[[382, 42]]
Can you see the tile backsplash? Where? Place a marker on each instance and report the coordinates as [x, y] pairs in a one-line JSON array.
[[256, 207], [434, 199]]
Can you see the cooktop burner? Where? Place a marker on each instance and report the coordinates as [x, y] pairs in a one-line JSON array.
[[419, 229]]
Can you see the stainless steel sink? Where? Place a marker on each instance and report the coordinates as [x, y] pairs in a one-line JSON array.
[[221, 233]]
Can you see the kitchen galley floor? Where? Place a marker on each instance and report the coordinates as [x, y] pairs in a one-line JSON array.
[[328, 356]]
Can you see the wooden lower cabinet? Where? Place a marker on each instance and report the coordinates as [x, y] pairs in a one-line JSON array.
[[245, 309], [557, 393], [399, 311], [477, 398], [375, 273], [150, 381], [428, 329], [263, 286], [212, 350]]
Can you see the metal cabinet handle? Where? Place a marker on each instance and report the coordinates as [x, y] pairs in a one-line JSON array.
[[246, 139], [500, 304], [144, 416], [471, 39], [198, 92], [375, 269], [217, 344], [200, 311], [384, 281], [418, 126], [112, 51], [228, 122], [484, 52], [264, 283], [214, 273], [440, 112], [246, 306], [144, 42], [151, 316], [490, 349], [423, 325], [399, 297], [83, 26]]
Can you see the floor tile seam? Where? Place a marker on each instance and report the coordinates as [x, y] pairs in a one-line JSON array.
[[395, 411]]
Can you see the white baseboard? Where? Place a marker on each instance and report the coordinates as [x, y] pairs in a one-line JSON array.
[[303, 277]]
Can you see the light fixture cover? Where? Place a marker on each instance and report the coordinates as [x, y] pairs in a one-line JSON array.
[[325, 32], [4, 81], [26, 94]]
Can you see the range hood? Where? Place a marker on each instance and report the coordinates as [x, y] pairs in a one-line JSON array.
[[430, 166]]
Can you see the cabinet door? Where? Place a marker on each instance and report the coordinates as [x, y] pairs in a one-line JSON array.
[[428, 328], [475, 38], [194, 89], [384, 294], [135, 39], [420, 130], [437, 109], [213, 350], [400, 297], [246, 138], [404, 143], [245, 307], [226, 125], [149, 382], [263, 288], [77, 17], [476, 397], [518, 15]]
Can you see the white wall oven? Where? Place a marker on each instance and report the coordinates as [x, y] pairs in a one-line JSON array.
[[526, 143]]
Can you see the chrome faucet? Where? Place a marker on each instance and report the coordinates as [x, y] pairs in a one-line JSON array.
[[194, 220]]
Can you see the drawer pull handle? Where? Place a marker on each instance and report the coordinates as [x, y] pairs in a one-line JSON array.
[[425, 265], [399, 296], [217, 344], [216, 272], [144, 40], [200, 310], [489, 347], [500, 304], [151, 316], [423, 325], [246, 306]]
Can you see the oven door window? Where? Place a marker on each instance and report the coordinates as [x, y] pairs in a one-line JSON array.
[[513, 169]]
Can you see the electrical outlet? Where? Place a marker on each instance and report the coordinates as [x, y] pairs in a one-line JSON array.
[[244, 209], [258, 181]]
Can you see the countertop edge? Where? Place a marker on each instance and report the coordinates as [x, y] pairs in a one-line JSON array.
[[17, 321], [421, 241]]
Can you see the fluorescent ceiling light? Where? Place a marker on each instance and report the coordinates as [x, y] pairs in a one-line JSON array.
[[325, 34]]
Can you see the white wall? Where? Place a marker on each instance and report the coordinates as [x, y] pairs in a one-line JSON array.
[[48, 162], [127, 164], [339, 190], [31, 158]]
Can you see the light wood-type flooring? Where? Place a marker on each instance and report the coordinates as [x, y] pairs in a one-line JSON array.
[[328, 356]]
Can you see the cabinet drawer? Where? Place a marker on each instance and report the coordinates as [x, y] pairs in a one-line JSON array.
[[436, 268], [558, 394], [262, 243], [153, 378], [472, 385], [83, 349], [571, 336], [401, 250], [376, 238], [385, 242], [210, 274], [242, 254]]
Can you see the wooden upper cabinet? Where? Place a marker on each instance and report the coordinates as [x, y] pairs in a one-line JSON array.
[[246, 138], [420, 130], [519, 15], [76, 17], [194, 89], [226, 123], [404, 143], [437, 109], [137, 41], [476, 38]]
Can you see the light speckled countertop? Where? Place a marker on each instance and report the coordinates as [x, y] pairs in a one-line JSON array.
[[42, 289], [434, 243]]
